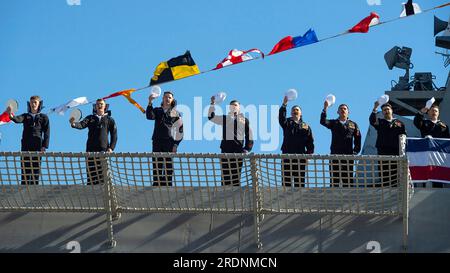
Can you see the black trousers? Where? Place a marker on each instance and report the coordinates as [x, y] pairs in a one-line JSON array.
[[389, 172], [294, 172], [388, 169], [31, 168], [231, 171], [94, 168], [341, 170], [162, 166], [162, 171], [94, 171]]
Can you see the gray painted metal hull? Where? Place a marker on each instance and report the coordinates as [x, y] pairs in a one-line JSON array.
[[429, 231]]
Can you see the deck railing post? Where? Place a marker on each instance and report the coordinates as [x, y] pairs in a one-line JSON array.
[[110, 202], [256, 201], [404, 183]]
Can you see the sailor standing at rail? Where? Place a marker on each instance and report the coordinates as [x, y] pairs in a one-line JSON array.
[[167, 135], [433, 126], [235, 130], [297, 139], [345, 140], [100, 125], [389, 130], [35, 138]]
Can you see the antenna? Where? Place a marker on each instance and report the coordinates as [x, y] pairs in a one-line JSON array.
[[445, 56], [400, 58]]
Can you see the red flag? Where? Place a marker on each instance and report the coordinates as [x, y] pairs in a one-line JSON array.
[[236, 56], [366, 23], [4, 118], [127, 95], [283, 44]]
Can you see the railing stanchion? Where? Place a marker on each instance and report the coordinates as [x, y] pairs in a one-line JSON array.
[[109, 200], [256, 201], [403, 179]]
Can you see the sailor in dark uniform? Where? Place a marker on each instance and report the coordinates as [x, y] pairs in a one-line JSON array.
[[345, 140], [389, 130], [297, 139], [35, 138], [433, 126], [236, 138], [167, 135], [100, 125]]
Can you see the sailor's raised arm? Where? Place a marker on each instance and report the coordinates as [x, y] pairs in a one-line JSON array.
[[211, 113]]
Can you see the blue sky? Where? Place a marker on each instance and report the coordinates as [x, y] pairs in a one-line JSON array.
[[61, 52]]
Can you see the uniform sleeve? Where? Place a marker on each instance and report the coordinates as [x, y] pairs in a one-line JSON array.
[[213, 117], [46, 132], [373, 120], [403, 129], [150, 113], [357, 140], [82, 124], [418, 121], [112, 128], [324, 121], [447, 132], [310, 142], [282, 116], [18, 119], [248, 136], [178, 131]]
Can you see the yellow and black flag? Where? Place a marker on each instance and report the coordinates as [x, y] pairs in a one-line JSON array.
[[176, 68]]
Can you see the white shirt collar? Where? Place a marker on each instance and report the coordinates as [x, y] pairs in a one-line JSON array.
[[233, 116], [100, 117]]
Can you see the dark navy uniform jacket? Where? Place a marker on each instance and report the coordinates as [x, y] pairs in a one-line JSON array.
[[36, 131], [168, 130], [345, 138], [236, 132], [429, 128], [297, 137], [98, 132], [388, 134]]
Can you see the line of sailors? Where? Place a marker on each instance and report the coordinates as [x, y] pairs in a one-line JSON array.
[[236, 138]]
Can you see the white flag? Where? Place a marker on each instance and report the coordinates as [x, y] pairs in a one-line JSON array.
[[71, 104]]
